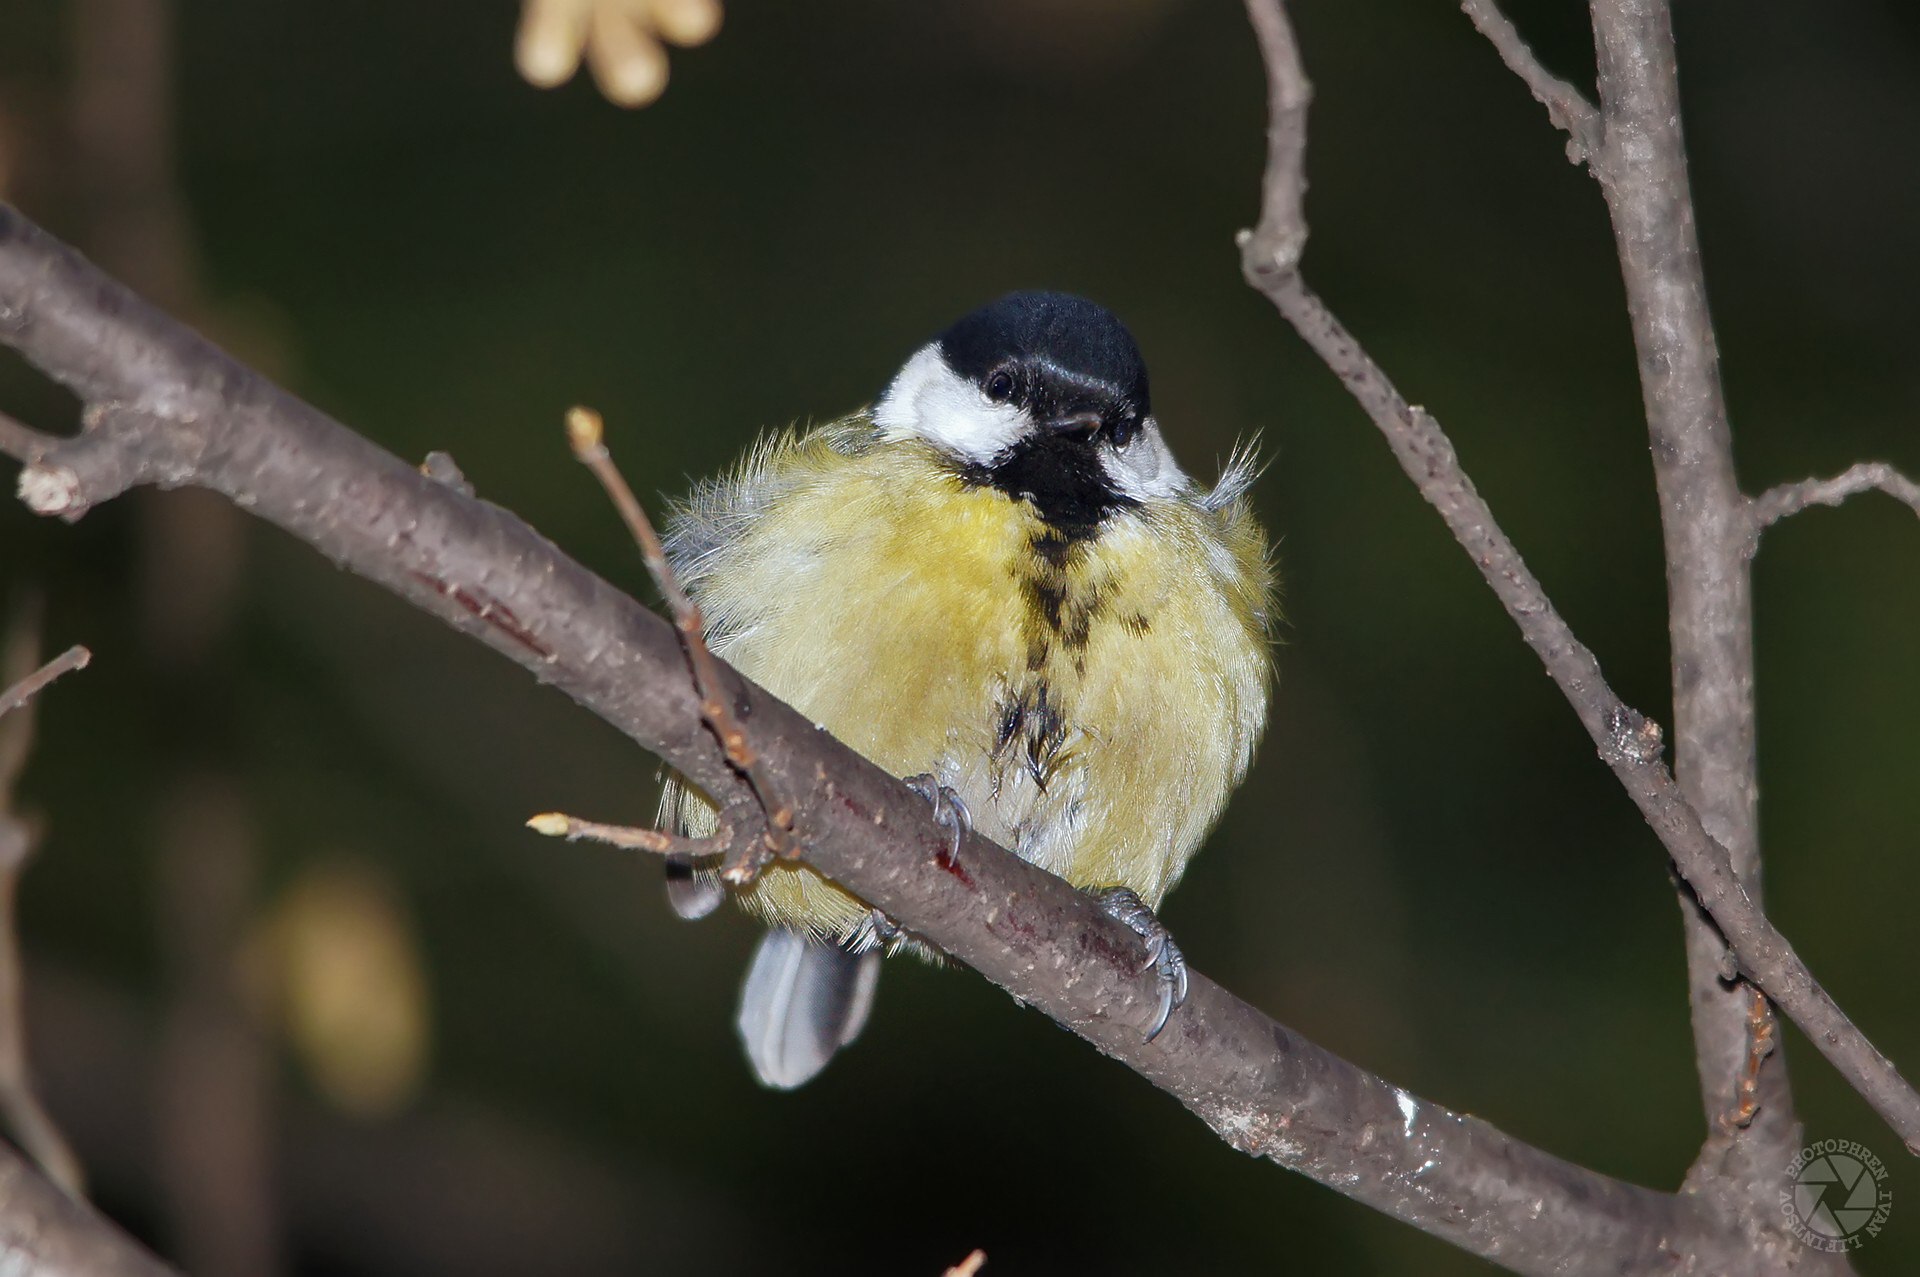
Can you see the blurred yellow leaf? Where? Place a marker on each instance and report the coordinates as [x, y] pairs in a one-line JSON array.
[[343, 975]]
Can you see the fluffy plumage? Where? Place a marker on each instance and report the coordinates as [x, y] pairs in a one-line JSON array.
[[1094, 701], [1001, 577]]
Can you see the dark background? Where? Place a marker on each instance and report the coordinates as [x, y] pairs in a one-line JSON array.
[[1428, 870]]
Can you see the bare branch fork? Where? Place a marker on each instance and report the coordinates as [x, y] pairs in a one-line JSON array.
[[1688, 419], [744, 857], [1709, 527], [1633, 145], [167, 408]]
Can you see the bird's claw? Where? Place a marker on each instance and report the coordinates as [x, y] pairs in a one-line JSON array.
[[950, 811], [883, 929], [1163, 955]]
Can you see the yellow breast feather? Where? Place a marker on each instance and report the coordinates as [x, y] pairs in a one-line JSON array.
[[1093, 700]]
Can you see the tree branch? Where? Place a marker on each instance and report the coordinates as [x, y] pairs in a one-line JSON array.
[[1703, 515], [1626, 739], [179, 411], [27, 1118], [1635, 149], [12, 698], [20, 440], [587, 434], [1789, 499], [1567, 107], [45, 1233], [1281, 235]]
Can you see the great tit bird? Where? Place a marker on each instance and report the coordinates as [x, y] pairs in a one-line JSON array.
[[998, 580]]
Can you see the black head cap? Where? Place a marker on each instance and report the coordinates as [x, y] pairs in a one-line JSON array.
[[1053, 353]]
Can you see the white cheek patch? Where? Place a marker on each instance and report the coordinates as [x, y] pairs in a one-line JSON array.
[[930, 401], [1145, 470]]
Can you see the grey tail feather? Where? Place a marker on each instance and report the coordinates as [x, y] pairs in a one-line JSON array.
[[803, 1001], [692, 892]]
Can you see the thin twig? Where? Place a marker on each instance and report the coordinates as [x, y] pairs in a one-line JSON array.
[[557, 824], [26, 1117], [1567, 107], [1788, 499], [74, 658], [726, 841], [1276, 243], [970, 1266], [18, 662], [1625, 738], [587, 433], [18, 439]]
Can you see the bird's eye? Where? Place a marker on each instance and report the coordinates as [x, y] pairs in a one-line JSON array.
[[1000, 385], [1122, 430]]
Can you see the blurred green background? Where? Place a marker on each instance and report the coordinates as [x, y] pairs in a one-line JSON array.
[[1428, 871]]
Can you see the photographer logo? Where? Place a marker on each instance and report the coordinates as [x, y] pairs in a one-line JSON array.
[[1836, 1195]]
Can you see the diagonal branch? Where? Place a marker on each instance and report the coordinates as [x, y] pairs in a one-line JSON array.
[[185, 413], [1626, 739], [74, 658], [1567, 107], [46, 1233]]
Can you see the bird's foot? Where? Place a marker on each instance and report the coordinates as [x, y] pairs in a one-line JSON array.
[[1163, 955], [949, 809]]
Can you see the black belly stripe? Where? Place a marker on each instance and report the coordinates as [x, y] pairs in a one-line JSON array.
[[1032, 731], [1059, 617]]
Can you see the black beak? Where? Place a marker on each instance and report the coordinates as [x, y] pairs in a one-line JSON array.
[[1074, 424]]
